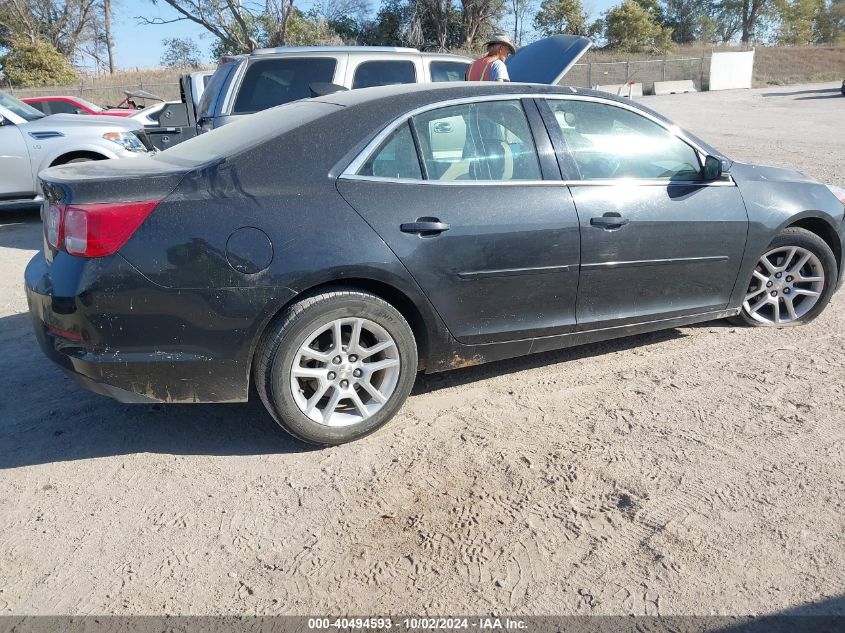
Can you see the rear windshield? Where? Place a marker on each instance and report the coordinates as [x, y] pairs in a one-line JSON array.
[[272, 82], [448, 71], [245, 133]]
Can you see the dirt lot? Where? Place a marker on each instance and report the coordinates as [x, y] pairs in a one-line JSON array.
[[694, 471]]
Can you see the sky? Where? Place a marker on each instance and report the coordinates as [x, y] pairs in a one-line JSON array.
[[139, 46]]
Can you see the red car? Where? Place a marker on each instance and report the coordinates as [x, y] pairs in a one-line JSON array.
[[72, 105]]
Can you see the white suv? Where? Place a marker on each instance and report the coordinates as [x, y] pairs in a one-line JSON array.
[[244, 84], [31, 141]]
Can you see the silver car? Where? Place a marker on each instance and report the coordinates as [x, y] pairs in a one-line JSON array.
[[31, 141]]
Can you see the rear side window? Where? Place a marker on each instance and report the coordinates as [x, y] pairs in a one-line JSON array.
[[448, 71], [478, 141], [271, 82], [384, 73], [396, 158]]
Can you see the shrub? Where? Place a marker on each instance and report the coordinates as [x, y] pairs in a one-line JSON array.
[[38, 64]]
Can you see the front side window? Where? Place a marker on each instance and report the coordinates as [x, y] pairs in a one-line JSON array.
[[271, 82], [384, 73], [448, 71], [65, 107], [41, 106], [478, 141], [608, 142]]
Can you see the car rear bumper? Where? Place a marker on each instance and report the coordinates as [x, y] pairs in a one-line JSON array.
[[120, 335]]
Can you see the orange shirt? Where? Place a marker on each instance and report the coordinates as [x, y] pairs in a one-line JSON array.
[[479, 70]]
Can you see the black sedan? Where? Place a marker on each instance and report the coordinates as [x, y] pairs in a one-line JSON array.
[[329, 249]]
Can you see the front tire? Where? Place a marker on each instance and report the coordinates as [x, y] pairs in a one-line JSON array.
[[336, 366], [792, 282]]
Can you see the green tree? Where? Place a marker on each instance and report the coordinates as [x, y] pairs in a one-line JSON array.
[[687, 19], [180, 52], [389, 26], [633, 29], [830, 28], [64, 24], [309, 30], [810, 22], [751, 13], [30, 64], [653, 8], [798, 20], [561, 16]]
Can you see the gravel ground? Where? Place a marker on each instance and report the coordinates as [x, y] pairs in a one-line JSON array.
[[693, 471]]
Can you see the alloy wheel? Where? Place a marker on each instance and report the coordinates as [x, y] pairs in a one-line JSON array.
[[785, 285], [345, 372]]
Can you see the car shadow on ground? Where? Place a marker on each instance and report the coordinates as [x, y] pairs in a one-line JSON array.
[[837, 95], [427, 383], [812, 617], [46, 417], [21, 229], [819, 92]]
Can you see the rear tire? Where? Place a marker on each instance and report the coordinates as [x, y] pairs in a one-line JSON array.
[[326, 393], [792, 282]]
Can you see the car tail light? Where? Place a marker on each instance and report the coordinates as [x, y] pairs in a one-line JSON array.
[[96, 230], [54, 225]]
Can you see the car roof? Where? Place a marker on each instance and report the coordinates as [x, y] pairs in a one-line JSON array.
[[386, 102], [347, 50], [51, 98], [433, 92], [333, 49]]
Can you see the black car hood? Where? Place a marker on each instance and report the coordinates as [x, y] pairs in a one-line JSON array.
[[546, 61]]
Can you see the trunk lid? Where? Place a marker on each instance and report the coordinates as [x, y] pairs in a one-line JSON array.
[[546, 61], [120, 181]]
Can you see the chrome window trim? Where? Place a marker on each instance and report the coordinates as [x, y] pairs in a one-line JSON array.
[[351, 171], [632, 182]]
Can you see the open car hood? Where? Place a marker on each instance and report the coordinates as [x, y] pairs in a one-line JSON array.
[[546, 61]]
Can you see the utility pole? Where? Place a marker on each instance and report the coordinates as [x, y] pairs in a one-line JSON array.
[[109, 42]]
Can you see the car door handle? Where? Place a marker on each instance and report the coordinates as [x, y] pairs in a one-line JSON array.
[[608, 221], [424, 227]]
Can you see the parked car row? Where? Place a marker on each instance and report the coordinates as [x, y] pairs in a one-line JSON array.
[[32, 141], [40, 132]]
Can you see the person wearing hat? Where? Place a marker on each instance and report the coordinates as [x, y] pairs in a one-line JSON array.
[[492, 67]]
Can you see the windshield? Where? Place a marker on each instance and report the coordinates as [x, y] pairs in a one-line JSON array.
[[214, 90], [24, 111], [87, 104]]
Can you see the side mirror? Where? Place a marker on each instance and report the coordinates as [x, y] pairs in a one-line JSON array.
[[713, 168]]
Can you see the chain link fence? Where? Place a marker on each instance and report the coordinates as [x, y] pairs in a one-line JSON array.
[[101, 95], [646, 72]]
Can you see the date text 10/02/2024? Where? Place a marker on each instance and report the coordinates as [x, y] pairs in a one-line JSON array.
[[484, 623]]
